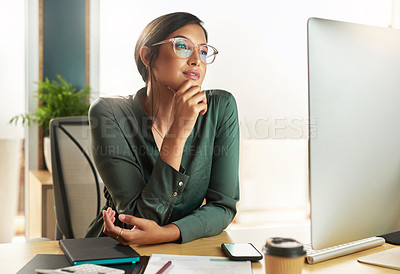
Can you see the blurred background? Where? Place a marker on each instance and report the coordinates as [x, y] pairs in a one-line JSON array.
[[262, 62]]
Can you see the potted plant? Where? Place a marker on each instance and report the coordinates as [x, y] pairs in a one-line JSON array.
[[58, 99]]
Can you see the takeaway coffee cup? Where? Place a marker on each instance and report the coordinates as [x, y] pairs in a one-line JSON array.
[[283, 256]]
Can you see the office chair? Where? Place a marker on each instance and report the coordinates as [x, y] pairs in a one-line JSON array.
[[77, 185]]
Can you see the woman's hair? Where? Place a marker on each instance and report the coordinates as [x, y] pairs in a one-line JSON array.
[[158, 30]]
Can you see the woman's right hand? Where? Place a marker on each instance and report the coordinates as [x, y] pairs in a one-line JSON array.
[[143, 232], [188, 102]]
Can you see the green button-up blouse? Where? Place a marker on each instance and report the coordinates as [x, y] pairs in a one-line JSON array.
[[138, 182]]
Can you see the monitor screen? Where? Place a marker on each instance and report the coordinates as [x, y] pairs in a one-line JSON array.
[[354, 152]]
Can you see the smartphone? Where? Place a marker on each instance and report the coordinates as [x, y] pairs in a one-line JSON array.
[[241, 252]]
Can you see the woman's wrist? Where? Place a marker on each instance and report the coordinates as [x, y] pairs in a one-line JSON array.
[[171, 151], [171, 233]]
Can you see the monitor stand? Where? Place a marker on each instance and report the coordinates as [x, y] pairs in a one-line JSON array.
[[392, 238]]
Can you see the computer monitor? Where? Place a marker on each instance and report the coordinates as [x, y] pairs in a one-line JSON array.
[[354, 151]]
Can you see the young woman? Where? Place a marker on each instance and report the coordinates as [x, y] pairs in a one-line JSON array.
[[169, 155]]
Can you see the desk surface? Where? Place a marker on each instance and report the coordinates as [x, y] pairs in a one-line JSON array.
[[14, 256]]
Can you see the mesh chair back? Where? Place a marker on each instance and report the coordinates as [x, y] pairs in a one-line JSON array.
[[77, 186]]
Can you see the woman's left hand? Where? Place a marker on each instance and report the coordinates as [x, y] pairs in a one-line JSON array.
[[144, 231]]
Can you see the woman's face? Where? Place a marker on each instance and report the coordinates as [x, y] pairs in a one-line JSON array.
[[172, 71]]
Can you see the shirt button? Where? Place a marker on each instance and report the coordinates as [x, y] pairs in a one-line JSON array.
[[175, 194], [180, 183]]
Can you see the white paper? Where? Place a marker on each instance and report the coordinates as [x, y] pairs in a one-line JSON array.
[[197, 265]]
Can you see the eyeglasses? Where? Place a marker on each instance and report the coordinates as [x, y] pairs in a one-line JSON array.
[[184, 48]]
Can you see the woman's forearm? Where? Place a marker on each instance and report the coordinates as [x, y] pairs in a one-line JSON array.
[[171, 151]]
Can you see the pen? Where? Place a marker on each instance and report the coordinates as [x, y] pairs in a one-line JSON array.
[[162, 269]]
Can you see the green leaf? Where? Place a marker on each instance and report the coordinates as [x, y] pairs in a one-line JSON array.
[[59, 99]]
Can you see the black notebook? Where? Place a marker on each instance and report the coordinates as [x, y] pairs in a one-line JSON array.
[[52, 261], [102, 250]]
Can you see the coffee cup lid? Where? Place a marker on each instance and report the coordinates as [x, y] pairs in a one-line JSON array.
[[284, 247]]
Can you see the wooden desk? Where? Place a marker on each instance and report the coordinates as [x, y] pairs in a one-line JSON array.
[[42, 216], [15, 256]]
